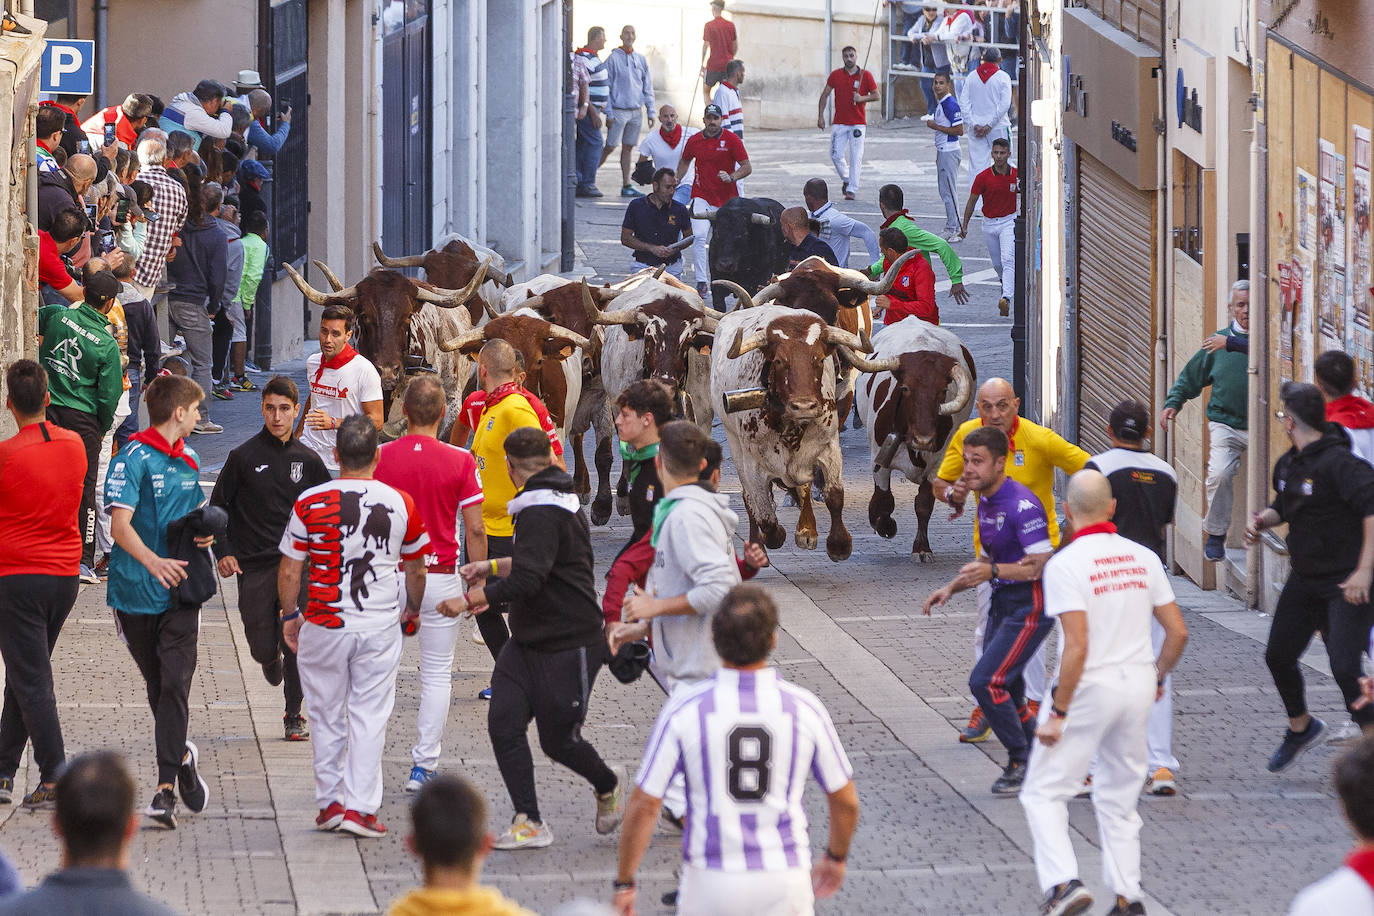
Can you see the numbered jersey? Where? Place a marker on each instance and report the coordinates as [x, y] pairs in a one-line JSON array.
[[745, 741]]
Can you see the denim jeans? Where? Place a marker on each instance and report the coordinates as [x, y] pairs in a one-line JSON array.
[[589, 144]]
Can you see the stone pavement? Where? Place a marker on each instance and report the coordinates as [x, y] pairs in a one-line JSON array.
[[931, 838]]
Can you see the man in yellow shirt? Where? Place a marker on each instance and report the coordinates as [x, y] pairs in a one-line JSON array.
[[505, 410], [1035, 454]]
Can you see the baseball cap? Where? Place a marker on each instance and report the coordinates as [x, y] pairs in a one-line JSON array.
[[253, 170], [131, 196], [1129, 421], [714, 109], [101, 287]]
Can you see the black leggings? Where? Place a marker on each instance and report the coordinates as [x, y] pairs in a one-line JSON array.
[[1308, 606]]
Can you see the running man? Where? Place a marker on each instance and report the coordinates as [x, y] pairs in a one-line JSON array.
[[739, 737], [1105, 590], [854, 88], [996, 185]]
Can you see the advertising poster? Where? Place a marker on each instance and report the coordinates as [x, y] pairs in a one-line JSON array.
[[1357, 256], [1304, 270], [1331, 253]]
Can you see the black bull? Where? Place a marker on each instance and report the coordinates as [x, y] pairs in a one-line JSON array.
[[744, 248]]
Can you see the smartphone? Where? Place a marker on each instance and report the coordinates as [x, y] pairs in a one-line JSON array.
[[151, 216], [122, 210], [107, 241], [109, 134], [91, 211], [83, 146]]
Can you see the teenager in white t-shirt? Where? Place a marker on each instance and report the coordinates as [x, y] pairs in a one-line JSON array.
[[665, 145], [342, 384]]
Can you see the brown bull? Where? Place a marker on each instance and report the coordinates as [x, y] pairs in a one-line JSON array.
[[450, 267]]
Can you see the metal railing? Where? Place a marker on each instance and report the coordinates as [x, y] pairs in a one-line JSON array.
[[898, 44]]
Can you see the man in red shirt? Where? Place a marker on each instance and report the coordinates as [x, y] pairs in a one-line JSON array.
[[854, 88], [997, 186], [56, 284], [443, 481], [913, 290], [719, 40], [40, 554], [723, 164]]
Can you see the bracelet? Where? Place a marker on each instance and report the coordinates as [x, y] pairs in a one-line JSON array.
[[993, 573], [494, 571], [291, 616], [1057, 713], [619, 886], [1159, 683], [834, 858]]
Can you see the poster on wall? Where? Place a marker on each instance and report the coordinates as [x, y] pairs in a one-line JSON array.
[[1361, 342], [1304, 269], [1331, 253]]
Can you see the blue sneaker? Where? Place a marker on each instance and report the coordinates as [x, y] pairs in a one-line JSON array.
[[628, 191], [485, 694], [1294, 743], [418, 777]]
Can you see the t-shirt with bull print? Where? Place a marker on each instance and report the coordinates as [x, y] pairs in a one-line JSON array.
[[353, 536], [1012, 524]]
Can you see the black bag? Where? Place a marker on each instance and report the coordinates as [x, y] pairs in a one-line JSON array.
[[643, 172], [200, 583], [630, 662]]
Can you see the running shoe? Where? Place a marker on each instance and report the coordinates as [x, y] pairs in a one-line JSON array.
[[222, 392], [1067, 899], [1161, 782], [242, 383], [251, 367], [195, 793], [363, 825], [1123, 908], [628, 191], [1294, 743], [102, 570], [849, 195], [977, 729], [418, 777], [1346, 733], [1009, 783], [208, 428], [484, 694], [293, 728], [163, 808], [1215, 547], [7, 790], [610, 808], [524, 833], [330, 818], [41, 797], [89, 576], [477, 637]]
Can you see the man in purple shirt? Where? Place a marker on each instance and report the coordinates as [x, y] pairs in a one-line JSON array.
[[1016, 545]]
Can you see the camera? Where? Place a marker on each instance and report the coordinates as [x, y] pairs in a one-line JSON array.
[[109, 134]]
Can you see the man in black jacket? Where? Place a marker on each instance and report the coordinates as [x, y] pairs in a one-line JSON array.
[[63, 188], [1325, 494], [641, 410], [260, 482], [546, 669]]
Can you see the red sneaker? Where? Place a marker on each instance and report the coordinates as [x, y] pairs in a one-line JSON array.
[[364, 825], [330, 818]]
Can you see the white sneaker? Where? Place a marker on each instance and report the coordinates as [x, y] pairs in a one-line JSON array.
[[524, 833], [477, 636], [1347, 732], [610, 808]]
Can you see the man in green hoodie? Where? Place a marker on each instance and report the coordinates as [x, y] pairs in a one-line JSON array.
[[85, 382], [1227, 372]]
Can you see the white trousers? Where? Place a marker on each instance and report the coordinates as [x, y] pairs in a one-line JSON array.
[[980, 148], [1107, 718], [1160, 734], [1223, 463], [1034, 672], [701, 241], [847, 152], [710, 892], [1000, 234], [103, 541], [437, 635], [349, 681]]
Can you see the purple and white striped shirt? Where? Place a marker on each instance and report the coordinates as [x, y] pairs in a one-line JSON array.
[[745, 741]]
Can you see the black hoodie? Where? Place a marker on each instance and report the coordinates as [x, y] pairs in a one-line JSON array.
[[1324, 493], [551, 588]]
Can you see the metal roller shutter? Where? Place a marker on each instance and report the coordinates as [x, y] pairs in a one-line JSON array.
[[1116, 329]]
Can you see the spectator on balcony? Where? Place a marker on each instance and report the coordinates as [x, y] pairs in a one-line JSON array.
[[267, 145], [202, 112], [128, 118]]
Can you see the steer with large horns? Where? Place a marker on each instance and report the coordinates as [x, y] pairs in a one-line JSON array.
[[790, 428], [452, 266], [918, 389], [400, 323]]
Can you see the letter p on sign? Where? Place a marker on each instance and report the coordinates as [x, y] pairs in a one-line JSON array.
[[68, 67]]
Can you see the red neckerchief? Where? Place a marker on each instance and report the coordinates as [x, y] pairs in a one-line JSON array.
[[59, 105], [1361, 862], [338, 361], [726, 84], [673, 138], [986, 70], [894, 217], [1011, 436], [500, 393], [949, 20], [43, 146], [155, 440], [585, 51], [1099, 528]]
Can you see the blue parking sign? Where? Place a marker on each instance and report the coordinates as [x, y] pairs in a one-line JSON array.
[[68, 67]]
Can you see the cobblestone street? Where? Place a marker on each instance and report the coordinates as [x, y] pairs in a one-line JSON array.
[[931, 838]]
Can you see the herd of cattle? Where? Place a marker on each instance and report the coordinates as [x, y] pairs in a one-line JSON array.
[[782, 369]]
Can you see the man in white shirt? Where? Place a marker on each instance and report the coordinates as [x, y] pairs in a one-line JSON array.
[[1105, 590], [665, 145], [986, 102], [727, 98], [837, 228], [342, 384], [1349, 890]]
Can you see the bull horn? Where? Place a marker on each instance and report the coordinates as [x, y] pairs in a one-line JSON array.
[[743, 345], [710, 312], [864, 364], [841, 338], [709, 215], [315, 295], [596, 316], [740, 292], [963, 389], [504, 279], [452, 298], [491, 312], [881, 287], [329, 275], [414, 260], [760, 219], [768, 293], [463, 340], [709, 324], [557, 330], [659, 272]]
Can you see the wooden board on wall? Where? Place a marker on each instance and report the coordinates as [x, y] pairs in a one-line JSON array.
[[1279, 117]]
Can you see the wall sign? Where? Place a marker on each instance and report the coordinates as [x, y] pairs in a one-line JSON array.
[[1189, 108]]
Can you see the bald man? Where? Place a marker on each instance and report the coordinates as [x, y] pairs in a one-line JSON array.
[[663, 147], [796, 228], [1105, 589], [260, 105], [63, 188], [1036, 452]]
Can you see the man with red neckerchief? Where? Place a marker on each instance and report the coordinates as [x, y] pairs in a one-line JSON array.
[[665, 147], [342, 384]]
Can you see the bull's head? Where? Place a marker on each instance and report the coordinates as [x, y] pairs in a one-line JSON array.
[[820, 287], [541, 344], [734, 223], [795, 348], [667, 327], [919, 406], [451, 267]]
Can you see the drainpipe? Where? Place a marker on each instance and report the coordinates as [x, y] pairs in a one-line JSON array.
[[567, 253], [1257, 403], [829, 37], [374, 103], [1163, 245], [102, 41]]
